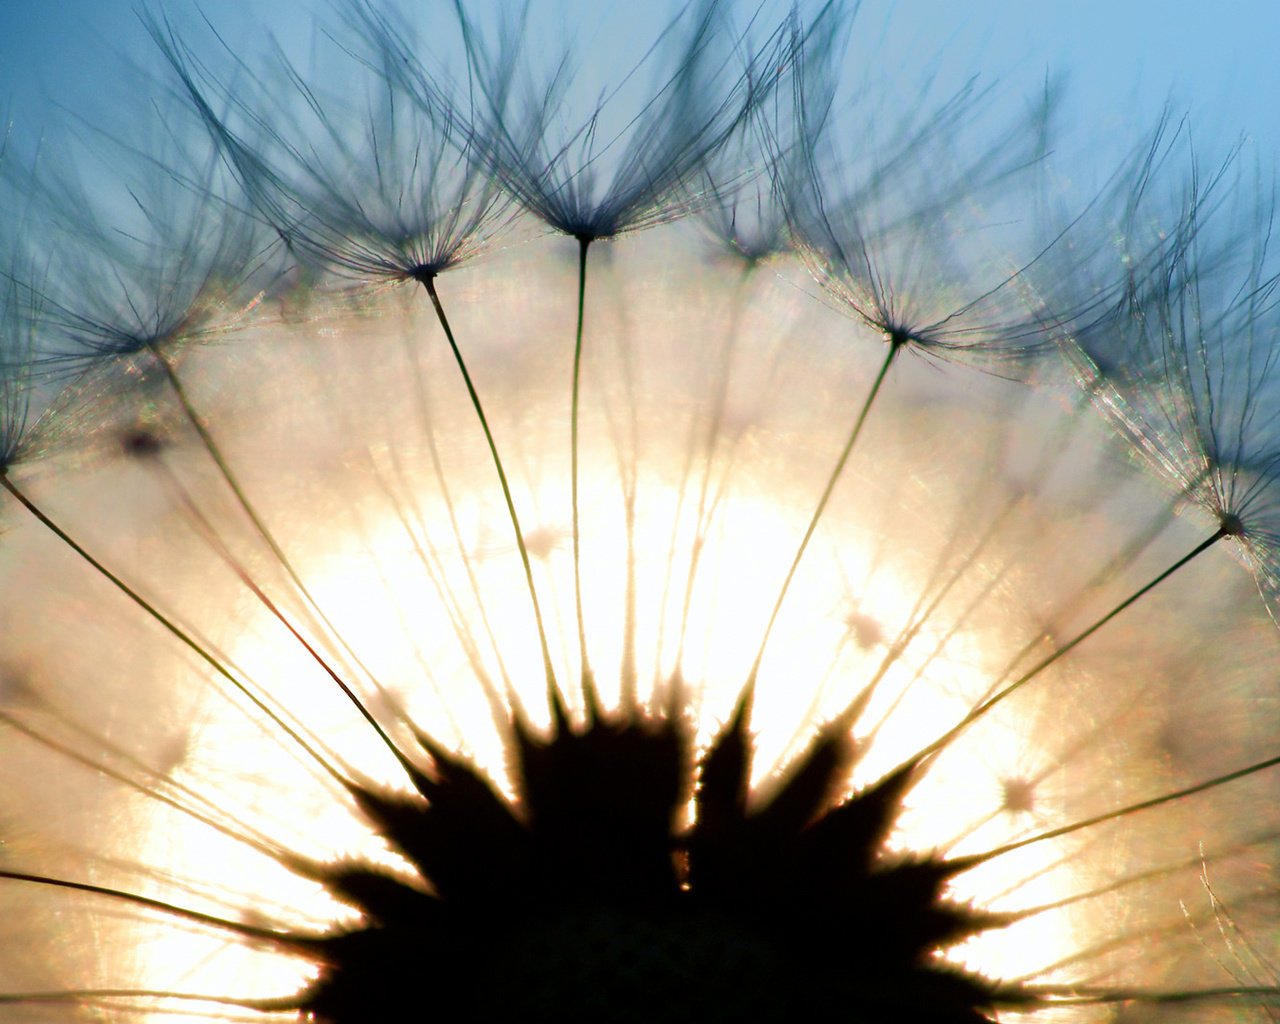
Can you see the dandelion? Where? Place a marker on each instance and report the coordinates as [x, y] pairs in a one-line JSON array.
[[1200, 319], [282, 739], [591, 186]]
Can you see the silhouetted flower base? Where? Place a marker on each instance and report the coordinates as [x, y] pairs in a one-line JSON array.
[[586, 901]]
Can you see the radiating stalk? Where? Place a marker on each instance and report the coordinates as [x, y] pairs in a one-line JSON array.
[[1124, 812], [588, 679], [1070, 645], [242, 499], [248, 931], [203, 525], [553, 691], [818, 511], [175, 630]]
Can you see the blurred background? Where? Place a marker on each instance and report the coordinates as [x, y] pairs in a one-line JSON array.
[[1123, 61]]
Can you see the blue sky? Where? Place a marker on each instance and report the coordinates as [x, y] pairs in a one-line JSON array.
[[1123, 58]]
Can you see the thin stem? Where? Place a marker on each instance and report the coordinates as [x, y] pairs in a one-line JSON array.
[[430, 561], [1069, 646], [196, 917], [922, 613], [256, 842], [424, 411], [212, 538], [1200, 860], [1073, 995], [198, 649], [242, 499], [1124, 812], [109, 997], [553, 690], [704, 453], [588, 681], [818, 511], [1122, 559]]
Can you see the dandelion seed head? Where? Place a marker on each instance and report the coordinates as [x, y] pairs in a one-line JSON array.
[[619, 170], [352, 667]]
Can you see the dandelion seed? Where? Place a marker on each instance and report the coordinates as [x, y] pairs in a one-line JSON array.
[[268, 678], [592, 188], [422, 215], [1202, 322]]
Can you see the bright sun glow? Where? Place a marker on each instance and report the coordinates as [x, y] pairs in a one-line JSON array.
[[442, 621]]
